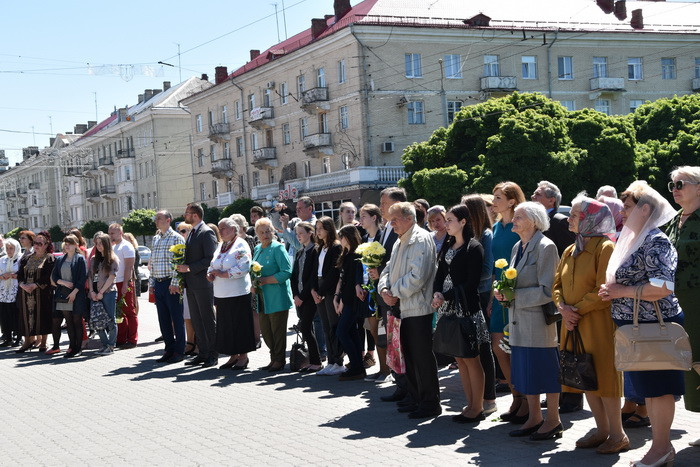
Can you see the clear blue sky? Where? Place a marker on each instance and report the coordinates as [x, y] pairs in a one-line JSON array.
[[60, 39]]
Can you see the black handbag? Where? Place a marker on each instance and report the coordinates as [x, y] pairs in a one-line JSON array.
[[551, 313], [577, 370], [298, 356], [453, 331]]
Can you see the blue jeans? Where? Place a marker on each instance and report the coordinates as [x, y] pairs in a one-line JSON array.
[[349, 338], [320, 335], [109, 337], [170, 318]]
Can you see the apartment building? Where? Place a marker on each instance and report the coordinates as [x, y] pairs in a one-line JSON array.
[[328, 112]]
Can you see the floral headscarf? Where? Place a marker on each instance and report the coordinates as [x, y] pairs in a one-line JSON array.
[[596, 221], [616, 208]]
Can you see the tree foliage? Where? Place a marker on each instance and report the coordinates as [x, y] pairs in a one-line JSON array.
[[211, 215], [56, 233], [140, 222], [90, 228], [239, 206], [14, 233], [443, 185]]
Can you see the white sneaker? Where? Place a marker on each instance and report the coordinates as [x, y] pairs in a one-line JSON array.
[[106, 350], [325, 370], [337, 370], [384, 379]]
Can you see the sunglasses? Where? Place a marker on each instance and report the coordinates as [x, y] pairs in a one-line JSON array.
[[39, 244], [679, 184], [183, 231]]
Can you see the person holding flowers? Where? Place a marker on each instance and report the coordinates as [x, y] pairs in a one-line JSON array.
[[168, 250], [534, 346], [229, 271]]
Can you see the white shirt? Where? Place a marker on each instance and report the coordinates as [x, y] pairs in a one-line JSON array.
[[123, 250], [321, 259], [236, 262], [8, 288]]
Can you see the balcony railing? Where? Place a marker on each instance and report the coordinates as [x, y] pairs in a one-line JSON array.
[[105, 161], [92, 194], [108, 189], [314, 95], [607, 84], [34, 186], [222, 168], [320, 142], [220, 132], [74, 171], [695, 86], [265, 157], [23, 211], [262, 117], [22, 191], [126, 153], [11, 194], [224, 199], [375, 177], [498, 83]]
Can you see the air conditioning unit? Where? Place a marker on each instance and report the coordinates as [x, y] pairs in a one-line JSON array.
[[388, 146], [270, 84]]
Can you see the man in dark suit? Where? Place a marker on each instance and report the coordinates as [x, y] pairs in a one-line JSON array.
[[549, 196], [199, 251]]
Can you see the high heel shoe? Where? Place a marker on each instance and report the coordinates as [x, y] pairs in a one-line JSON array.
[[228, 365], [525, 431], [239, 367], [664, 461], [551, 434], [24, 348]]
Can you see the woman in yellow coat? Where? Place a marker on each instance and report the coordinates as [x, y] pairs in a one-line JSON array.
[[580, 274]]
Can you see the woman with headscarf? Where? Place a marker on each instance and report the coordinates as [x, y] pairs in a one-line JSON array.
[[616, 207], [9, 264], [580, 273], [644, 262]]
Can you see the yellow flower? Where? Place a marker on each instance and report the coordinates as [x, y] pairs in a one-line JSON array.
[[177, 249], [501, 263], [362, 248], [511, 273], [256, 267]]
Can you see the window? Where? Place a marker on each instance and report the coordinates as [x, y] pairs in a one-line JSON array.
[[269, 142], [251, 102], [148, 197], [345, 160], [286, 134], [697, 67], [303, 127], [127, 173], [270, 176], [214, 188], [284, 93], [529, 66], [326, 165], [344, 121], [453, 68], [600, 67], [240, 146], [634, 103], [227, 151], [202, 191], [237, 105], [307, 168], [254, 141], [491, 67], [565, 67], [415, 112], [413, 66], [199, 123], [452, 109], [212, 153], [634, 68], [210, 115], [321, 78], [301, 85], [602, 105], [341, 72], [668, 68], [570, 105], [256, 178], [200, 159], [323, 123], [241, 185], [266, 98], [224, 114]]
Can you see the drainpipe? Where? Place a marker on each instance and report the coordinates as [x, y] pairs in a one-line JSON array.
[[549, 65], [365, 100], [245, 142], [443, 96], [154, 167]]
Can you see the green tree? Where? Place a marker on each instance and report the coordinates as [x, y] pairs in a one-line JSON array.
[[14, 233], [56, 234], [239, 206], [444, 185], [90, 228], [140, 222], [211, 215]]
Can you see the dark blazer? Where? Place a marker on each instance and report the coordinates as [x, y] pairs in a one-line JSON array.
[[465, 272], [559, 232], [199, 251], [309, 270], [388, 246], [330, 274], [79, 273], [351, 275]]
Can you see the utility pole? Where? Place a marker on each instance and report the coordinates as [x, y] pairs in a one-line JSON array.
[[97, 119], [179, 62], [277, 21], [284, 20]]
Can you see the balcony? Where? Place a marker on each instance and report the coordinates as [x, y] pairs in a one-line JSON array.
[[23, 211], [607, 84], [318, 144], [694, 85], [13, 214], [126, 187], [93, 195], [10, 194], [264, 158], [220, 132], [358, 177], [315, 99], [34, 186], [108, 191], [106, 163], [224, 199], [223, 168], [34, 211], [499, 83], [74, 171], [91, 170], [126, 153], [22, 192], [262, 117], [4, 161]]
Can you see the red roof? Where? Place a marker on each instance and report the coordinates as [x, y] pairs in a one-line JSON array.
[[99, 126], [304, 38]]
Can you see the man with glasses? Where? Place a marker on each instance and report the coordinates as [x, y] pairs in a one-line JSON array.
[[165, 286], [305, 213]]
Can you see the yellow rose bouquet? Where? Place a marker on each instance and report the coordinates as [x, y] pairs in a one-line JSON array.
[[506, 283], [371, 256], [178, 258], [256, 274]]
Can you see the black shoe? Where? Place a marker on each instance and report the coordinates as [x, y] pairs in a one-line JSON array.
[[408, 408], [462, 419], [518, 419], [425, 413], [525, 431], [239, 367], [72, 353], [406, 401], [570, 408], [211, 362], [551, 434], [228, 365], [176, 358], [395, 397], [17, 342], [160, 339], [166, 356], [6, 342], [502, 387], [195, 361], [127, 346]]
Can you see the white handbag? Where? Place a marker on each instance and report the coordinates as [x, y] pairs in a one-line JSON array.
[[652, 346]]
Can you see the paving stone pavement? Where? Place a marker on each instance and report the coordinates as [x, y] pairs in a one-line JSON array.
[[125, 409]]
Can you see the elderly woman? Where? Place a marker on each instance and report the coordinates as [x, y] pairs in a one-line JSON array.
[[684, 234], [436, 223], [230, 273], [276, 292], [535, 357], [575, 291], [35, 299], [243, 229], [644, 262], [9, 264]]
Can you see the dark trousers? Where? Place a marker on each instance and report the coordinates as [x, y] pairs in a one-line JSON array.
[[273, 327], [74, 326], [488, 362], [421, 368], [365, 335], [349, 337], [201, 305], [306, 313], [170, 317], [319, 333], [9, 319], [329, 318]]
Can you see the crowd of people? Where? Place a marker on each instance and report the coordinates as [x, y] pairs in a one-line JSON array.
[[428, 302]]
